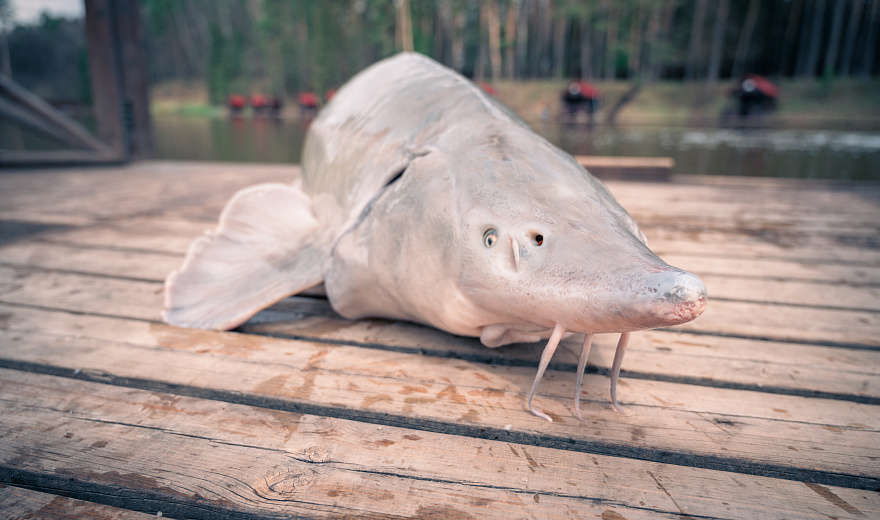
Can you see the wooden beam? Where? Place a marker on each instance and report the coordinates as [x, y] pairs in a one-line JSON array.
[[17, 114], [119, 87], [28, 109], [628, 168], [135, 84], [56, 157]]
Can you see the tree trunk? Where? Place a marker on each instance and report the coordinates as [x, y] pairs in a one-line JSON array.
[[800, 69], [458, 40], [186, 42], [547, 42], [404, 26], [741, 58], [653, 39], [834, 43], [480, 64], [522, 39], [695, 47], [851, 32], [794, 16], [510, 39], [6, 68], [718, 30], [870, 44], [635, 39], [586, 50], [493, 24], [560, 31], [441, 31], [536, 42], [815, 37], [658, 54], [611, 42], [628, 96]]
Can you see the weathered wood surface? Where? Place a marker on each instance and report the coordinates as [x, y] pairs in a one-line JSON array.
[[17, 503], [765, 407]]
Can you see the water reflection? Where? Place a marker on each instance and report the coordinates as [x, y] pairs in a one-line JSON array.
[[708, 151], [234, 139], [742, 152]]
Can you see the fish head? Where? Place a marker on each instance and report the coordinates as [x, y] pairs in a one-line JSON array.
[[546, 244], [506, 242]]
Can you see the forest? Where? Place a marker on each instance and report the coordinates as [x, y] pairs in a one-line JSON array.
[[282, 47]]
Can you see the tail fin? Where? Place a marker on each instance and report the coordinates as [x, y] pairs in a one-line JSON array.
[[267, 246]]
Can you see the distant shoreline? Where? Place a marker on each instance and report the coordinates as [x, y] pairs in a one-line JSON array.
[[841, 105]]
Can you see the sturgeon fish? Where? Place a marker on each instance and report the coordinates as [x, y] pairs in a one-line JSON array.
[[424, 199]]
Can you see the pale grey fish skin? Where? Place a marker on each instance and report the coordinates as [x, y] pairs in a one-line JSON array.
[[487, 229], [415, 250]]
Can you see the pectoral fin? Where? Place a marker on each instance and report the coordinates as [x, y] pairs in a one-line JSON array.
[[267, 246]]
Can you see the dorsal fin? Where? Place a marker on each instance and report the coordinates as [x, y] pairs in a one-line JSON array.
[[267, 246]]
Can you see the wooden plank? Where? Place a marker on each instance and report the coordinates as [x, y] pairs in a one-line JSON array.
[[813, 195], [791, 292], [708, 243], [78, 293], [776, 269], [148, 447], [607, 161], [848, 374], [151, 266], [715, 244], [807, 198], [138, 189], [143, 300], [806, 439], [140, 264], [148, 234], [782, 367], [173, 236], [16, 502], [792, 206], [628, 168], [788, 323]]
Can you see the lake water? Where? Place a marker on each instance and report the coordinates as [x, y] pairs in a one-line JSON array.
[[848, 155]]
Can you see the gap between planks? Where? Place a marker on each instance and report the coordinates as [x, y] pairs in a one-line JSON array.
[[826, 444], [150, 266], [108, 444], [143, 300], [305, 318]]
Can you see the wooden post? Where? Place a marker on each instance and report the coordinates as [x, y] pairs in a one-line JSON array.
[[118, 76]]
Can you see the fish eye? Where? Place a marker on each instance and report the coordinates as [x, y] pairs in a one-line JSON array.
[[490, 237], [537, 238]]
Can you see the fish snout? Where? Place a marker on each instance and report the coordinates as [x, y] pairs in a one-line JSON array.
[[679, 297]]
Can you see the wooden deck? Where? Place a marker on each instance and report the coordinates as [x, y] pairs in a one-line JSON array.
[[767, 406]]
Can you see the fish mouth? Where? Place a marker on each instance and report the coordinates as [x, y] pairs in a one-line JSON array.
[[684, 302], [664, 298]]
